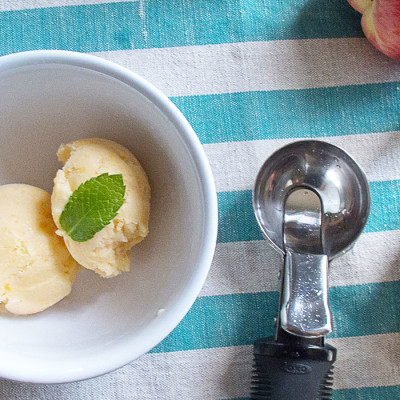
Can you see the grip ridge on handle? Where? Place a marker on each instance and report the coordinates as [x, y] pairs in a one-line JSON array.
[[325, 389], [261, 386]]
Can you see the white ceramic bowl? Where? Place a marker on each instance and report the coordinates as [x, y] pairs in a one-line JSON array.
[[52, 97]]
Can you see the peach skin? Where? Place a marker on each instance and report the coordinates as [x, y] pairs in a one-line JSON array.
[[381, 24]]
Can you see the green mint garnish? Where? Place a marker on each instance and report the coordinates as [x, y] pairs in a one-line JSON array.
[[92, 206]]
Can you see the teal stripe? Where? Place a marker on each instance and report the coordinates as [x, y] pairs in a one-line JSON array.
[[239, 319], [368, 393], [372, 393], [168, 23], [302, 113], [237, 221]]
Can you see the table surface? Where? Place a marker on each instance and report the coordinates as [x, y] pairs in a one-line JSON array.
[[250, 76]]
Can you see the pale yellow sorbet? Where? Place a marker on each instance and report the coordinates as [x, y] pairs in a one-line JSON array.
[[108, 252], [36, 269]]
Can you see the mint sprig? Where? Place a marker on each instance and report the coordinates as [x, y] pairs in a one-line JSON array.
[[92, 206]]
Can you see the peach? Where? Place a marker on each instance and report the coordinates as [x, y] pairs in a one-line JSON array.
[[381, 24]]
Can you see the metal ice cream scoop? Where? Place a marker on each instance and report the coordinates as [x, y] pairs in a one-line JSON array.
[[311, 201]]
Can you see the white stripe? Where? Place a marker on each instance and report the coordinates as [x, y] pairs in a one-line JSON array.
[[271, 65], [250, 267], [220, 373], [367, 361], [7, 5], [236, 164]]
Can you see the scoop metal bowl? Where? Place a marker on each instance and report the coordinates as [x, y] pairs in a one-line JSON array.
[[328, 171]]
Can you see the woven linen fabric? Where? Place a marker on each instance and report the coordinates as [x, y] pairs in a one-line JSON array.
[[250, 76]]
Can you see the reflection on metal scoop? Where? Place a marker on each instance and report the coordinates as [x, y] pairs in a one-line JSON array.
[[302, 222], [312, 201]]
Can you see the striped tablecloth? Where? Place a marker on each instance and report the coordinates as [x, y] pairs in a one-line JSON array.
[[250, 76]]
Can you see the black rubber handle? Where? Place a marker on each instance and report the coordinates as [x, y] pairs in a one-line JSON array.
[[298, 371]]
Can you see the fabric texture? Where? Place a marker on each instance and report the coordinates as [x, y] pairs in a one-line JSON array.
[[250, 76]]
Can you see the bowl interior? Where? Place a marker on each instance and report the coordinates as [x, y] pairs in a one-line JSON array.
[[42, 106]]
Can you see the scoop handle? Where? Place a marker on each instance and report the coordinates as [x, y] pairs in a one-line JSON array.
[[283, 372], [304, 300]]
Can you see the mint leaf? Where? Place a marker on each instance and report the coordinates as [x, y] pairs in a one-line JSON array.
[[92, 206]]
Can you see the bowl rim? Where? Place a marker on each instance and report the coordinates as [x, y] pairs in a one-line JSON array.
[[58, 371]]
